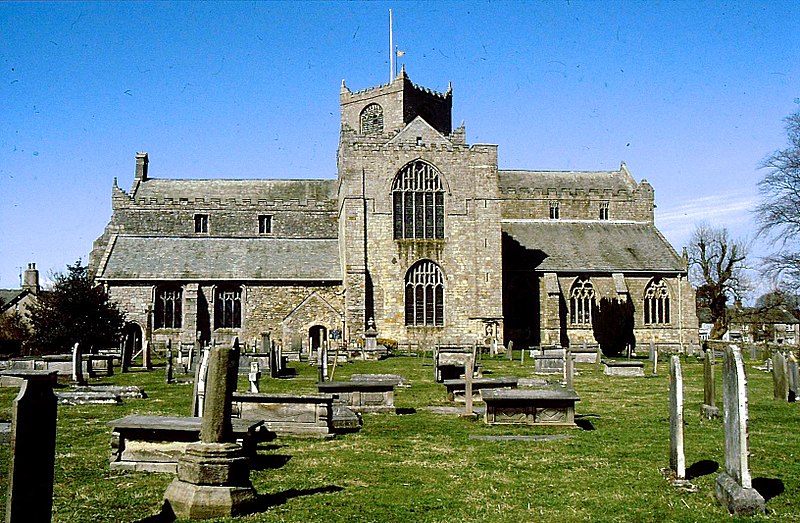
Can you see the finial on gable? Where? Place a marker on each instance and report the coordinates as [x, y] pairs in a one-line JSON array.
[[344, 88]]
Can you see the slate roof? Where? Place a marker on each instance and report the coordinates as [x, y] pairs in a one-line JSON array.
[[239, 189], [9, 296], [595, 246], [585, 180], [156, 258]]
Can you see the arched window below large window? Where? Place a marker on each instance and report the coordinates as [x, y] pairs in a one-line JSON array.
[[581, 301], [168, 310], [228, 308], [418, 202], [424, 295], [656, 303]]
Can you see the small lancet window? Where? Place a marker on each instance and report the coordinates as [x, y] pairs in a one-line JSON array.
[[554, 210], [201, 223], [604, 210], [265, 224]]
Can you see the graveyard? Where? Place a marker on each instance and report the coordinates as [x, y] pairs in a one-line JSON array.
[[419, 463]]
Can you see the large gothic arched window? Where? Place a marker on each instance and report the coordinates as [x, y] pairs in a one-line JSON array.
[[168, 308], [424, 295], [418, 202], [656, 303], [372, 119], [581, 299]]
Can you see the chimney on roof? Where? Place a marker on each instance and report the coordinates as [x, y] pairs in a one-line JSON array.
[[30, 281], [141, 166]]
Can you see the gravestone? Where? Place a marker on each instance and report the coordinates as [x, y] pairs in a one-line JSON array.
[[33, 448], [77, 365], [780, 377], [599, 357], [322, 362], [254, 376], [569, 369], [655, 362], [709, 410], [168, 377], [652, 347], [510, 351], [214, 474], [734, 487], [677, 459], [468, 387], [198, 397], [794, 377]]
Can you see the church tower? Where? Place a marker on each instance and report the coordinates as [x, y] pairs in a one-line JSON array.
[[419, 218]]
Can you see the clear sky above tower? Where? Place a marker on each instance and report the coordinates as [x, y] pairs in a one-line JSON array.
[[690, 95]]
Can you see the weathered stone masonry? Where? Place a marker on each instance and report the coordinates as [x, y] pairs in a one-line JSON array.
[[421, 231]]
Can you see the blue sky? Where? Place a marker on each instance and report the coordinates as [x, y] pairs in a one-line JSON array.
[[690, 95]]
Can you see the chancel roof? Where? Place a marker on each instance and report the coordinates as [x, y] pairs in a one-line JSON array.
[[241, 259], [585, 180], [561, 246], [255, 190]]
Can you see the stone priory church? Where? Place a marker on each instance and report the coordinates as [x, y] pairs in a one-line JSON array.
[[420, 232]]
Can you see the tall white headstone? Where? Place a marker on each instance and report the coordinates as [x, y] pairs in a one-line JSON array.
[[734, 487], [677, 459]]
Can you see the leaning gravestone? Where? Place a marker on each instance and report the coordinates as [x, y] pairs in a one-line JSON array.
[[214, 474], [794, 377], [780, 377], [709, 409], [199, 393], [77, 365], [734, 487], [677, 459]]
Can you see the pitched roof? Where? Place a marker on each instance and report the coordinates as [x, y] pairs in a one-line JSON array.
[[587, 180], [564, 246], [8, 297], [224, 189], [243, 259]]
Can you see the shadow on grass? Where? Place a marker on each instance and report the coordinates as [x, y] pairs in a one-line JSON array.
[[701, 468], [405, 410], [582, 422], [768, 487], [269, 461], [263, 503]]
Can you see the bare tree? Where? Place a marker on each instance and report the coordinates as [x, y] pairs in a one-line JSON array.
[[716, 268], [779, 210]]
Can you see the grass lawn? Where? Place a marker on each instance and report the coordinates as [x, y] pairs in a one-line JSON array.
[[424, 466]]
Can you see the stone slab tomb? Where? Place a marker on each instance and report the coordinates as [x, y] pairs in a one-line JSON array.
[[307, 415], [626, 368], [550, 406], [361, 396], [448, 362], [734, 487], [456, 388], [154, 443]]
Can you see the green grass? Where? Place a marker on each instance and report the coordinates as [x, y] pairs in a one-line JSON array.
[[423, 466]]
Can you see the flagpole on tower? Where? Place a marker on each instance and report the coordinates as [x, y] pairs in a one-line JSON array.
[[391, 49]]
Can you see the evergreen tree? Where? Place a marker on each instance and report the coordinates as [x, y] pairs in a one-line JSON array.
[[612, 324], [75, 310]]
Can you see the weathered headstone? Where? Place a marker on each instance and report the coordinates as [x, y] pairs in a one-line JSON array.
[[569, 369], [734, 487], [254, 376], [33, 448], [198, 397], [77, 365], [214, 474], [323, 363], [510, 350], [468, 366], [677, 459], [652, 348], [709, 410], [780, 377], [794, 377], [655, 362], [599, 356], [168, 377]]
